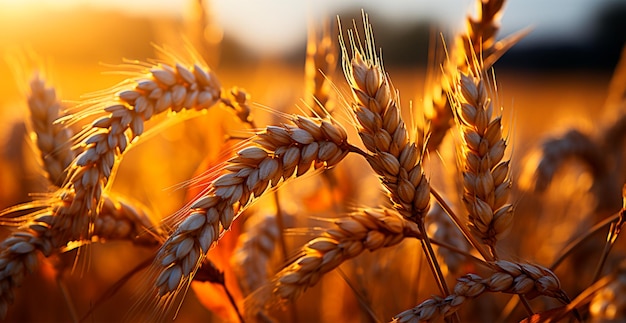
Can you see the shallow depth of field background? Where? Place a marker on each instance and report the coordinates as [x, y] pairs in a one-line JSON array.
[[554, 79]]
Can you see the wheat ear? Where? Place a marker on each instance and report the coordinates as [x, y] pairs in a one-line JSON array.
[[486, 179], [119, 219], [479, 38], [366, 229], [52, 140], [274, 156], [162, 88], [255, 248], [380, 125], [395, 157], [508, 277], [320, 64], [19, 256]]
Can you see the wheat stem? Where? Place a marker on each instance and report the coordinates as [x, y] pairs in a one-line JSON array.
[[280, 223], [460, 224], [572, 246], [614, 231], [67, 298], [432, 261]]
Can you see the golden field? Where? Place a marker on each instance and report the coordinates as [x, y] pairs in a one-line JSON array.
[[81, 52]]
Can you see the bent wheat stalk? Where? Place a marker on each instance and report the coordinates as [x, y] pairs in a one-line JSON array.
[[120, 219], [273, 156], [163, 88], [572, 145]]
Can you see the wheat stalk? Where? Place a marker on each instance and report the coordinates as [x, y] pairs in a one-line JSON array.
[[486, 179], [508, 277], [162, 88], [367, 229], [44, 230], [394, 156], [273, 157]]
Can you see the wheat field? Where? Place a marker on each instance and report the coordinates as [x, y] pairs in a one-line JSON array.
[[185, 185]]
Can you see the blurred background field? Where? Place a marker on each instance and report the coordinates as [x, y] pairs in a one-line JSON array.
[[554, 79]]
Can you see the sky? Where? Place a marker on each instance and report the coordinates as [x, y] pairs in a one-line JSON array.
[[283, 23]]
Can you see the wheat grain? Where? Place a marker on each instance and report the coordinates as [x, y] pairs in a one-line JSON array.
[[52, 140], [508, 277], [273, 156], [376, 106], [366, 229], [163, 88], [486, 179]]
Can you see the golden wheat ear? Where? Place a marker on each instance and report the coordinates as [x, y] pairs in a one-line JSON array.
[[507, 277], [395, 157], [155, 90], [486, 176], [366, 229], [272, 157], [479, 39], [52, 139], [255, 248]]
